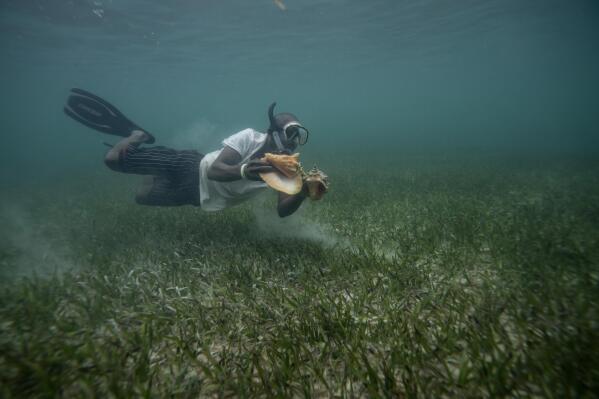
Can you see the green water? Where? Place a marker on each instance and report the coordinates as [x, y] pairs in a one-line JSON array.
[[455, 254]]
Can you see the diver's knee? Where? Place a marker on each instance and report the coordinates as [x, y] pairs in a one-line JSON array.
[[113, 161]]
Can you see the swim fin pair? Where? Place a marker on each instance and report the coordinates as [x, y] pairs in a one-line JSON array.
[[99, 114]]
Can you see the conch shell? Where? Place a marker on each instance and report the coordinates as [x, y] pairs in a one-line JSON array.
[[287, 176], [317, 182], [286, 164]]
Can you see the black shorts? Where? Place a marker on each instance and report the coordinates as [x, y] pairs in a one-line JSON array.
[[176, 175]]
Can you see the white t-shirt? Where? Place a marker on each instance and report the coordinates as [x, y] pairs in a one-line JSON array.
[[217, 195]]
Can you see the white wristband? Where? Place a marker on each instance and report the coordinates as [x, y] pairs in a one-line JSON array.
[[242, 171]]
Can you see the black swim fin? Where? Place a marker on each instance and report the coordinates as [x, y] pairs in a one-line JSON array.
[[99, 114]]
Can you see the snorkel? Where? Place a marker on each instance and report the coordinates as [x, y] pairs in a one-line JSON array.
[[276, 133]]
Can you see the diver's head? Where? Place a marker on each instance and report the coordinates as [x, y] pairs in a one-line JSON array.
[[286, 130]]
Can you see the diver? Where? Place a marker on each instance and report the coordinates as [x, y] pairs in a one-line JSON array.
[[214, 181]]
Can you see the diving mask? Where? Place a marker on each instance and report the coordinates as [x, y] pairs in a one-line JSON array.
[[296, 132]]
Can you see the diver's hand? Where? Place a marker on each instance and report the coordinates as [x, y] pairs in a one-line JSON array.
[[255, 167]]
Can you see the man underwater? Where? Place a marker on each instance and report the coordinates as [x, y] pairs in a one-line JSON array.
[[214, 181]]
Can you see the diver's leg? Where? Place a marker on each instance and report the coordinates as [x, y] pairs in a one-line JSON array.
[[155, 191], [113, 158], [144, 191], [161, 191], [156, 161], [174, 173], [128, 157], [181, 187]]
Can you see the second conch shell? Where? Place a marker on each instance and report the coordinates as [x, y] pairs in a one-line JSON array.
[[286, 177], [317, 182]]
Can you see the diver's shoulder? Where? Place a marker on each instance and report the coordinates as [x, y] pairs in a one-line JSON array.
[[255, 134], [249, 131], [244, 137]]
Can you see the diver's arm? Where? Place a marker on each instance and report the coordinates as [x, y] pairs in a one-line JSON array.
[[226, 167], [288, 204]]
